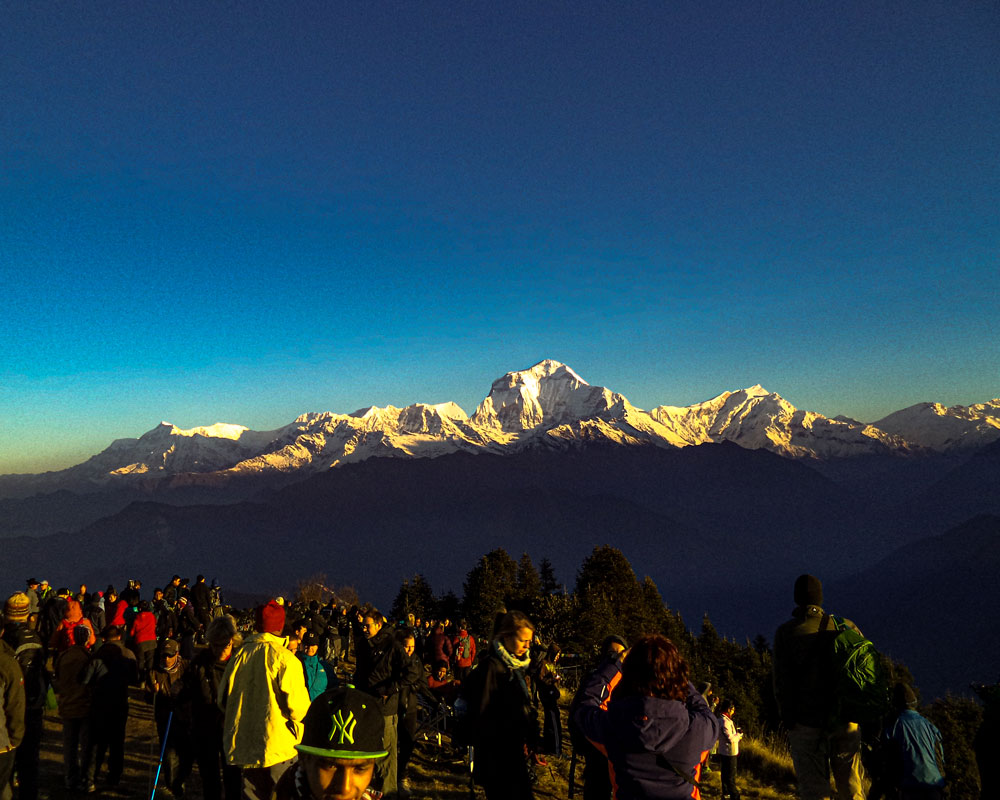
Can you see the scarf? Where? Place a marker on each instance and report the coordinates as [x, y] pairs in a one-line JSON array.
[[517, 666]]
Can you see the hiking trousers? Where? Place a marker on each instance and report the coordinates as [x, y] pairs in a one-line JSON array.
[[816, 752], [385, 768]]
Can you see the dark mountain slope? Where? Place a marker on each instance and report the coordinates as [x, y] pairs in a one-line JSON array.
[[934, 605]]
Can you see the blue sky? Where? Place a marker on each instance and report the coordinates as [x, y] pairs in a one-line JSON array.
[[241, 212]]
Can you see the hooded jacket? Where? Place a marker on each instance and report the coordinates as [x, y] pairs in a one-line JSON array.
[[264, 697], [647, 740], [62, 637], [12, 702]]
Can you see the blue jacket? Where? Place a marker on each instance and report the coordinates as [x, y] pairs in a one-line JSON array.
[[917, 750], [645, 738], [317, 674]]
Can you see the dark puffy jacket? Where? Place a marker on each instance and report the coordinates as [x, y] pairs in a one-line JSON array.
[[74, 695], [11, 699], [380, 669], [648, 740], [112, 669], [439, 648]]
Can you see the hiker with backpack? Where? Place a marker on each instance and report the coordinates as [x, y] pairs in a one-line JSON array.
[[827, 680], [30, 655]]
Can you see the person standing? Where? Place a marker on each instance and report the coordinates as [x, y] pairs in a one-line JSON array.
[[201, 600], [729, 750], [12, 707], [657, 727], [166, 683], [380, 673], [596, 780], [915, 753], [503, 724], [549, 693], [412, 684], [203, 679], [75, 711], [143, 636], [463, 652], [263, 695], [30, 654], [807, 701], [110, 672]]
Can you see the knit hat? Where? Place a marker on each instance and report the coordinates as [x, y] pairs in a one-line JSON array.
[[343, 723], [270, 618], [16, 607], [808, 591]]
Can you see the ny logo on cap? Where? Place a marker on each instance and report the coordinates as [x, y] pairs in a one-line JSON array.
[[344, 726]]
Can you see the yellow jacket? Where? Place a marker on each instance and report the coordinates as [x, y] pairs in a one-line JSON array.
[[264, 695]]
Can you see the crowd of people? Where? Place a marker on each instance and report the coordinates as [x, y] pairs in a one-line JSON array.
[[321, 700]]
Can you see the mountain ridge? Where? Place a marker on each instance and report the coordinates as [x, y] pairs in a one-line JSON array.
[[546, 405]]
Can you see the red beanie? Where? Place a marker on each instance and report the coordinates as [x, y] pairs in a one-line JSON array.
[[270, 618]]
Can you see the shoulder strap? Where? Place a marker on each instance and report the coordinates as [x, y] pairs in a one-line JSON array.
[[671, 766]]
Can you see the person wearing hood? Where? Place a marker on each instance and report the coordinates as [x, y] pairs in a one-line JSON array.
[[656, 728], [264, 697], [62, 637]]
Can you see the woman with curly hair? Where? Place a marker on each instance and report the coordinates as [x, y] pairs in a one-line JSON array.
[[502, 722], [655, 728]]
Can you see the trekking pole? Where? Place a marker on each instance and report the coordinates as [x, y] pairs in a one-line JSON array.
[[572, 774], [163, 750]]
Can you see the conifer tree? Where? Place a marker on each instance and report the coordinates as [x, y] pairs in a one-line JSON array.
[[547, 575], [529, 586], [414, 597], [488, 588]]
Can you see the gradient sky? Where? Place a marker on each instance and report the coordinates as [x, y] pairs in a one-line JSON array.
[[240, 212]]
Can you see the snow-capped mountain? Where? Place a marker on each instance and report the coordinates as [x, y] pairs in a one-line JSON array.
[[755, 418], [547, 405], [937, 427]]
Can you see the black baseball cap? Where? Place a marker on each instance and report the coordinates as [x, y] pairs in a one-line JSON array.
[[343, 723]]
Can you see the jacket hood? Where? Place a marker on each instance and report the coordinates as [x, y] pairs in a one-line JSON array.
[[73, 611]]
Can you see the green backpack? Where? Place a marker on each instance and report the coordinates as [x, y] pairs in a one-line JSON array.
[[860, 680]]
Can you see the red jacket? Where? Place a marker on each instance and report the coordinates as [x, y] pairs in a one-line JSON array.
[[62, 637], [143, 627], [469, 660], [115, 612]]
